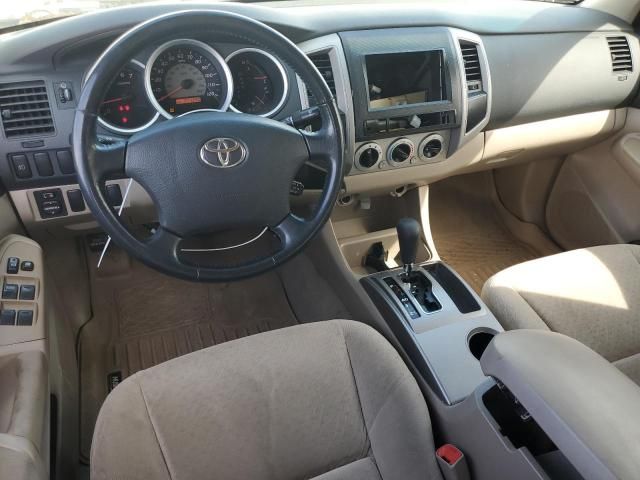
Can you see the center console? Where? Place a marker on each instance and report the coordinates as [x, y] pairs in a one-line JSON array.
[[477, 378], [435, 315]]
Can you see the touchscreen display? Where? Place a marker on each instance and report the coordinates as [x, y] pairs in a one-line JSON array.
[[404, 78]]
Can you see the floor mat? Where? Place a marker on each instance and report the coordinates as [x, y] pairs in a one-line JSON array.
[[468, 232], [143, 318]]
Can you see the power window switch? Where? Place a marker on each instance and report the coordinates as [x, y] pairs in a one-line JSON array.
[[13, 265], [27, 292], [27, 266], [7, 317], [10, 291], [25, 318]]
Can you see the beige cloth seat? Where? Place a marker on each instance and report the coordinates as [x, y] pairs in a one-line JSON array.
[[330, 400], [592, 295]]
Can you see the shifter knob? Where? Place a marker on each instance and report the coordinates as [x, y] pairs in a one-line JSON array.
[[408, 237]]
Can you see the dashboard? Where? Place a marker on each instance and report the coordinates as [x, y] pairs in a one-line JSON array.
[[425, 91]]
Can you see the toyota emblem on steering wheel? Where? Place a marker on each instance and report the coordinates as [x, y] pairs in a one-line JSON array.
[[223, 152]]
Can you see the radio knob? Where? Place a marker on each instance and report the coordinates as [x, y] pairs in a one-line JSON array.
[[400, 152]]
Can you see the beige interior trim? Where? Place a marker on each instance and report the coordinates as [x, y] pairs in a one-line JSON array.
[[548, 137], [627, 152], [10, 222], [594, 199]]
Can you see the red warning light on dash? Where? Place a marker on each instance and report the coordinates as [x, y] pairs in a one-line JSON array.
[[188, 100]]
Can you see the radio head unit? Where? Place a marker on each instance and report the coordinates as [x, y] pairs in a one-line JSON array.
[[407, 78], [404, 82]]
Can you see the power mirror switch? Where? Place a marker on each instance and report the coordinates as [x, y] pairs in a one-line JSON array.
[[12, 265], [27, 266], [25, 318], [50, 203]]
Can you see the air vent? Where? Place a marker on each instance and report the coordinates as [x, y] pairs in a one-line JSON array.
[[322, 62], [25, 110], [620, 54], [472, 72]]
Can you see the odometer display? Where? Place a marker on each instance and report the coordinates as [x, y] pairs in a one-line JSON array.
[[187, 75]]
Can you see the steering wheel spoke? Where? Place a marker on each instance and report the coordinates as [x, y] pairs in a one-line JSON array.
[[109, 157], [320, 143], [290, 230], [165, 243]]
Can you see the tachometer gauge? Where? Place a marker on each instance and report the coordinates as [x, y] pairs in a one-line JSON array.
[[125, 107], [186, 75], [260, 82]]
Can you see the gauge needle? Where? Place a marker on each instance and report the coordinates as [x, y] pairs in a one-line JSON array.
[[263, 77], [113, 100], [175, 90], [259, 99]]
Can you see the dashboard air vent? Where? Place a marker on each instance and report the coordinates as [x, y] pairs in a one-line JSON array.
[[620, 54], [322, 61], [25, 110], [472, 72]]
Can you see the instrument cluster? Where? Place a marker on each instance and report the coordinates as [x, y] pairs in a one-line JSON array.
[[186, 75]]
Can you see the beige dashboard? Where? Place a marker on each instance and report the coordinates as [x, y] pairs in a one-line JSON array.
[[491, 149]]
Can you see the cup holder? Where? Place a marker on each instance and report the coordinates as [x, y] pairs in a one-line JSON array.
[[479, 340]]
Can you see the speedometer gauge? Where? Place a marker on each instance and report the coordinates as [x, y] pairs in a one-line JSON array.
[[260, 82], [186, 75], [125, 107]]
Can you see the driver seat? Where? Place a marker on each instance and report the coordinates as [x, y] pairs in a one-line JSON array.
[[329, 400]]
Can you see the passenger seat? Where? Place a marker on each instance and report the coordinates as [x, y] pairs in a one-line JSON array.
[[591, 294]]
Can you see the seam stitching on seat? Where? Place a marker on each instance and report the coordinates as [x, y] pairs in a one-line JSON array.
[[364, 422], [155, 432]]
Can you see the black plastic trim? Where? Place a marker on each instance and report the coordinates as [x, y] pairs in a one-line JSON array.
[[457, 291]]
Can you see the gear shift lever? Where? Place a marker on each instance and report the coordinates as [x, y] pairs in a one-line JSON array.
[[408, 235]]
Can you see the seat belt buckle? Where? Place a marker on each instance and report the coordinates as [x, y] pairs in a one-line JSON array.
[[452, 463]]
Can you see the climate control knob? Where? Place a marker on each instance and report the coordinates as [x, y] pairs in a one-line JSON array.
[[431, 148], [400, 152], [368, 156]]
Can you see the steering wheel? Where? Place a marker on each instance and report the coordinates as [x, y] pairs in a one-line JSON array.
[[179, 162]]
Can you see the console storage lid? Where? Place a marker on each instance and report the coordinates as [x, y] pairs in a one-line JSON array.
[[588, 408]]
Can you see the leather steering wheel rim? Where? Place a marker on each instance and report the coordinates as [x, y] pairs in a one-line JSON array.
[[95, 161]]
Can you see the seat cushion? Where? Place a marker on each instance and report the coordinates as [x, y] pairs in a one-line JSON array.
[[591, 294], [328, 400]]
